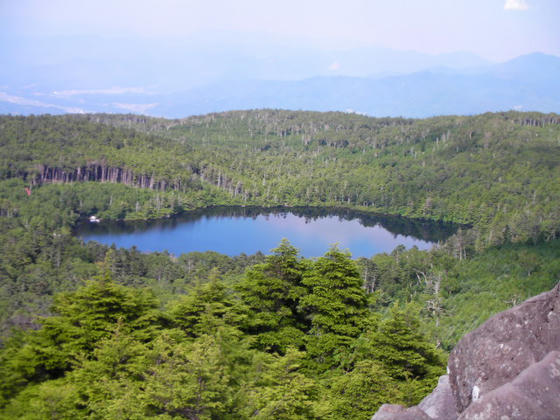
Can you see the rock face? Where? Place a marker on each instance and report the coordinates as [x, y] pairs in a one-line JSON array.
[[395, 411], [508, 368], [533, 395], [440, 404], [506, 344]]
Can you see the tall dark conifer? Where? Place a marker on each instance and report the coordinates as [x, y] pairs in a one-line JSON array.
[[336, 305], [272, 291]]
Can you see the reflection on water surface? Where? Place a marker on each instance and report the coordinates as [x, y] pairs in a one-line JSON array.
[[236, 230]]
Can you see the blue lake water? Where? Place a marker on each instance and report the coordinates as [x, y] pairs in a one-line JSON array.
[[233, 231]]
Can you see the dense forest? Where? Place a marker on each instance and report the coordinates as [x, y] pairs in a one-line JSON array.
[[90, 330]]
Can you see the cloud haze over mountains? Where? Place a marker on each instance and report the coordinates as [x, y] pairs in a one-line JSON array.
[[185, 58], [184, 81]]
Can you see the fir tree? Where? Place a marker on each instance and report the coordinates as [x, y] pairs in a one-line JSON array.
[[272, 291], [336, 304]]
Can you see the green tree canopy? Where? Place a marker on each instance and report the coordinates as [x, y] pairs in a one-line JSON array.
[[336, 304], [272, 291]]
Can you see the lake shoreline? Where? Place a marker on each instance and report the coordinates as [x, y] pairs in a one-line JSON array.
[[201, 226]]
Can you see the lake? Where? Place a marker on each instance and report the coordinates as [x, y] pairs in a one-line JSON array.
[[236, 230]]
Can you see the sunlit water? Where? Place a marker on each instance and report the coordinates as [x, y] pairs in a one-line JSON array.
[[233, 231]]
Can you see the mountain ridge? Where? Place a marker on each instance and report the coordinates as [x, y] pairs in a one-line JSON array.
[[523, 83]]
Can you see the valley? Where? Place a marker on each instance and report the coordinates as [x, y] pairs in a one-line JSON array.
[[75, 311]]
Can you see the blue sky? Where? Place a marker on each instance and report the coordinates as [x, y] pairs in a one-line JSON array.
[[494, 29]]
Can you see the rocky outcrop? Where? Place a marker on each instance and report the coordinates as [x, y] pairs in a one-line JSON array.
[[506, 344], [508, 368], [533, 395], [440, 404], [395, 411]]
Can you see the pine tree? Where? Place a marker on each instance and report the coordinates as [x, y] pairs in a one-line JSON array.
[[272, 291], [194, 380], [280, 389], [208, 307], [336, 305], [83, 318], [108, 384], [359, 393], [406, 354]]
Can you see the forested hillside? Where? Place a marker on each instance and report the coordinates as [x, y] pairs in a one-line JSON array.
[[122, 334], [492, 171]]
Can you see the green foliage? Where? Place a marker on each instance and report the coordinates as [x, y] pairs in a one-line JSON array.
[[84, 318], [491, 171], [107, 383], [111, 352], [359, 393], [189, 380], [39, 255], [406, 354], [272, 292], [253, 336], [454, 296], [55, 399], [336, 304], [281, 390], [206, 308]]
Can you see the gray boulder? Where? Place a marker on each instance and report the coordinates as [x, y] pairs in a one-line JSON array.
[[533, 395], [499, 350], [398, 412], [440, 404]]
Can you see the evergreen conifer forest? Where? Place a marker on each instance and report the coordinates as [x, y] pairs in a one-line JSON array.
[[91, 331]]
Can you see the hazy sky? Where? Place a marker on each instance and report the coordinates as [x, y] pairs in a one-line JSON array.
[[495, 29]]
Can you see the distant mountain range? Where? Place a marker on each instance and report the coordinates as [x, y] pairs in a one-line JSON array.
[[528, 83], [434, 85]]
